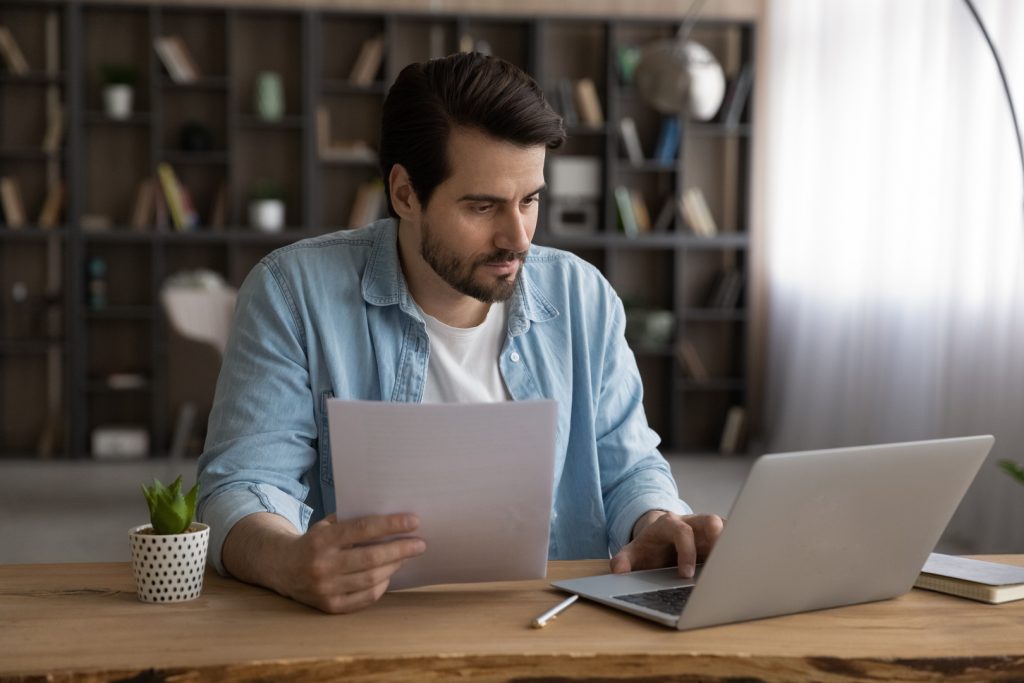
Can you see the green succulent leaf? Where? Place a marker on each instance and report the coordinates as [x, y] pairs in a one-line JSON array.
[[169, 511], [1014, 469]]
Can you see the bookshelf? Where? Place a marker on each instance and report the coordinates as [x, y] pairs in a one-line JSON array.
[[59, 346]]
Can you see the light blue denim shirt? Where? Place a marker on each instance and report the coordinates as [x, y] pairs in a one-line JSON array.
[[332, 317]]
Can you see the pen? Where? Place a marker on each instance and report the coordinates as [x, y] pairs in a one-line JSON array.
[[542, 620]]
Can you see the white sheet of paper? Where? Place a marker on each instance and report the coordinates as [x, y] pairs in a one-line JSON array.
[[479, 476]]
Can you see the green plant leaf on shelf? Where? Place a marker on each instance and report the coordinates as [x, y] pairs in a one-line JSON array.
[[119, 74], [169, 511], [1015, 470]]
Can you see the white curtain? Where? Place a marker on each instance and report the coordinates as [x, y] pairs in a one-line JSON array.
[[894, 225]]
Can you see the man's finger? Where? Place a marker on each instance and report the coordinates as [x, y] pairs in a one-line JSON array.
[[350, 532], [706, 530], [380, 554], [686, 550], [342, 603]]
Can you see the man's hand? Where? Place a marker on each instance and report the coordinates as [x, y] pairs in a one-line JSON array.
[[661, 539], [336, 566]]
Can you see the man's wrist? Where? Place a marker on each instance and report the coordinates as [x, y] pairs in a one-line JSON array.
[[645, 520]]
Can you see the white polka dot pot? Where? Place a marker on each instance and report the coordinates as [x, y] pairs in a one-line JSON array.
[[169, 568]]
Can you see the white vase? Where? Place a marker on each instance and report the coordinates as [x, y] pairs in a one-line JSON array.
[[169, 567], [117, 99], [267, 215]]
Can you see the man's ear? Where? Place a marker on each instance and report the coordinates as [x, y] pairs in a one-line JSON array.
[[403, 196]]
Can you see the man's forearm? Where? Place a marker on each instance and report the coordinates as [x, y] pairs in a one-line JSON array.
[[254, 550]]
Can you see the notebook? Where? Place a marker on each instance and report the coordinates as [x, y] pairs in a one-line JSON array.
[[811, 530]]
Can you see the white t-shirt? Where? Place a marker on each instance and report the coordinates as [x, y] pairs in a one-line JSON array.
[[463, 366]]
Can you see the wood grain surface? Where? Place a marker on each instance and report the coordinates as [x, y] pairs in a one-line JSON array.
[[82, 622]]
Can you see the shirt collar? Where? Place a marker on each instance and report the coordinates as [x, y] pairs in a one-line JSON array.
[[384, 283]]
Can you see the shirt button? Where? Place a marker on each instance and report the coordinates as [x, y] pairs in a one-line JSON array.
[[514, 357]]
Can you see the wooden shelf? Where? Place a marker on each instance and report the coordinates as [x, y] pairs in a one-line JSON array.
[[103, 161]]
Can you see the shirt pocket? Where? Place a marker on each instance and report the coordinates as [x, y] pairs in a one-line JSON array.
[[324, 441]]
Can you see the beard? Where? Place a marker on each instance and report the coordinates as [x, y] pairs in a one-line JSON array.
[[460, 274]]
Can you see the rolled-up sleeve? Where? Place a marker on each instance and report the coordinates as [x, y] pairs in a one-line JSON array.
[[635, 477], [261, 439]]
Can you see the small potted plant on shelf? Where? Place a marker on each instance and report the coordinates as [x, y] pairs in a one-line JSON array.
[[169, 554], [266, 208], [118, 89]]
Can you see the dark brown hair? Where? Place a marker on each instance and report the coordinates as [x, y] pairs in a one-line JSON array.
[[465, 89]]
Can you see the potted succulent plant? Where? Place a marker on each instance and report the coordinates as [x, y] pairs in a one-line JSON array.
[[169, 554], [266, 208], [118, 89]]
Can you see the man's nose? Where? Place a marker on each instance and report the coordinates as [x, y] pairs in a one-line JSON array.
[[515, 232]]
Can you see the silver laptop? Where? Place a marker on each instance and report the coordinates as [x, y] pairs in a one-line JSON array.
[[808, 531]]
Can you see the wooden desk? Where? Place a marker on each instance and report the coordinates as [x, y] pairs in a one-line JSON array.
[[83, 622]]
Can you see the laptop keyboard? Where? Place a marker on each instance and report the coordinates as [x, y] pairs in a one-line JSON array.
[[667, 600]]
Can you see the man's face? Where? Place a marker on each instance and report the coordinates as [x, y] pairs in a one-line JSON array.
[[477, 227]]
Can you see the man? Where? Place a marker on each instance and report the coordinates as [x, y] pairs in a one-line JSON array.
[[445, 301]]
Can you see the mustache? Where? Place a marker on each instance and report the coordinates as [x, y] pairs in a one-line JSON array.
[[503, 256]]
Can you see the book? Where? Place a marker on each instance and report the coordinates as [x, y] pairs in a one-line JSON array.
[[727, 289], [736, 96], [667, 147], [667, 214], [219, 210], [145, 205], [323, 129], [49, 214], [54, 129], [631, 140], [329, 149], [368, 62], [10, 201], [176, 59], [186, 59], [697, 214], [349, 150], [566, 103], [588, 104], [689, 359], [11, 52], [188, 205], [991, 582], [368, 204], [732, 432], [640, 212], [172, 195], [624, 204]]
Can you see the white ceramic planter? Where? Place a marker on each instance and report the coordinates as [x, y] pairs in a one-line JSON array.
[[267, 215], [169, 568], [117, 100]]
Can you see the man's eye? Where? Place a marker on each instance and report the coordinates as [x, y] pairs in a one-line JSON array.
[[482, 208], [529, 201]]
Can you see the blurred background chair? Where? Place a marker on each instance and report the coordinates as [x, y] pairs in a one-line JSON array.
[[199, 307]]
